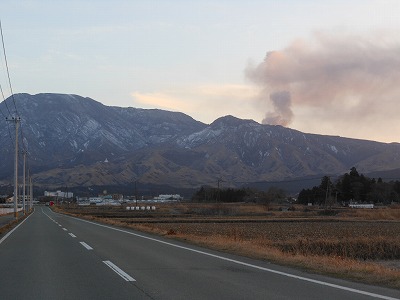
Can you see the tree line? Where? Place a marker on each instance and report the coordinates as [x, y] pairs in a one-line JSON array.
[[210, 194], [350, 187], [354, 187]]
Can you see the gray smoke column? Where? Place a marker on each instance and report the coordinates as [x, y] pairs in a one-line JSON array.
[[282, 114], [346, 75]]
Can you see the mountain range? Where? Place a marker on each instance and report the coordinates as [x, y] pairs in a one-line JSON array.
[[77, 141]]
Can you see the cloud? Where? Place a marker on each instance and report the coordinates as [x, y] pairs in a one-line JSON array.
[[205, 102], [354, 75], [160, 100]]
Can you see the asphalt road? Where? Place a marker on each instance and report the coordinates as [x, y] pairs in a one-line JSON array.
[[52, 256]]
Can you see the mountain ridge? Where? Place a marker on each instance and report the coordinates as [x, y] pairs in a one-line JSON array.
[[78, 141]]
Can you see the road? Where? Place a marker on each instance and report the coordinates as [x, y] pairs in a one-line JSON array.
[[53, 256]]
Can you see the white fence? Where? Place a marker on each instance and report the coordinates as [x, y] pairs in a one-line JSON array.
[[7, 210], [361, 205], [141, 208]]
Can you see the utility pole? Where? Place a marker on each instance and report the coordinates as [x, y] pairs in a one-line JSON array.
[[136, 195], [219, 180], [29, 189], [327, 190], [16, 120], [31, 192], [68, 201], [24, 184]]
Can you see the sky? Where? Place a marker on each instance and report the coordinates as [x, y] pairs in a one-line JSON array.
[[324, 67]]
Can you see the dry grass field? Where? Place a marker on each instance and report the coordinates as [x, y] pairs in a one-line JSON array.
[[362, 245]]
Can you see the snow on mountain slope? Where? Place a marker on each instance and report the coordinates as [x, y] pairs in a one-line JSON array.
[[69, 137]]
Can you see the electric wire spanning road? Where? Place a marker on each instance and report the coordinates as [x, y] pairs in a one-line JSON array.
[[53, 256]]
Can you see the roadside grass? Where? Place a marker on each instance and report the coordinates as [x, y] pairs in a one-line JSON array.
[[361, 248], [8, 227], [349, 248], [373, 214], [12, 224]]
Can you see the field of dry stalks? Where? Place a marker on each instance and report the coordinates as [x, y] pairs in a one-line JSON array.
[[361, 245]]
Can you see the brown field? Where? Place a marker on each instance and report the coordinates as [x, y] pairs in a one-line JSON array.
[[362, 245]]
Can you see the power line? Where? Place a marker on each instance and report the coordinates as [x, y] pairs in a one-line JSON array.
[[17, 120], [1, 89], [5, 117], [5, 102], [8, 72], [11, 89]]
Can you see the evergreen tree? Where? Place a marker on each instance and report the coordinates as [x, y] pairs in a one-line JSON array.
[[352, 186]]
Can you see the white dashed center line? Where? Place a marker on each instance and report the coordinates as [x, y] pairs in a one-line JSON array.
[[86, 246], [117, 270]]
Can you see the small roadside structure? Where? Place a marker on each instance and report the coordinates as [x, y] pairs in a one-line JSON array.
[[356, 205]]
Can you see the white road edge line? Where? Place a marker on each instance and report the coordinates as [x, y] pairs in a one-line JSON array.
[[336, 286], [65, 229], [117, 270], [73, 235], [86, 246], [9, 233]]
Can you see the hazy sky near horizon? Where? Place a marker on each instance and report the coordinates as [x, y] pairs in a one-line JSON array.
[[325, 67]]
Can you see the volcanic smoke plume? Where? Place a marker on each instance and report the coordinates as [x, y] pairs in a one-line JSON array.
[[349, 76], [282, 114]]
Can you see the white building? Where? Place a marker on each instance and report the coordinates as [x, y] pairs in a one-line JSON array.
[[175, 197], [59, 194], [95, 200]]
